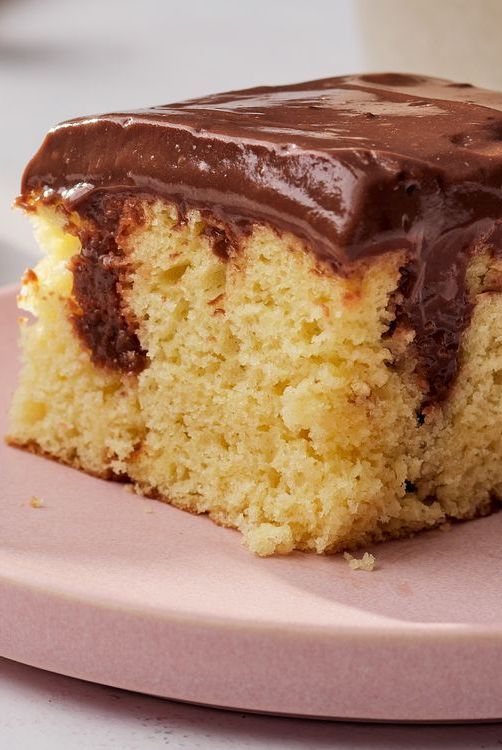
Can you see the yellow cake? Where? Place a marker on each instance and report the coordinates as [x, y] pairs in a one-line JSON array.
[[270, 307]]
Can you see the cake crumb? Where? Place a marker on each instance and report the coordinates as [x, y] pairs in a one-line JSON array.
[[29, 277], [446, 526], [128, 488], [366, 562], [149, 510], [36, 502]]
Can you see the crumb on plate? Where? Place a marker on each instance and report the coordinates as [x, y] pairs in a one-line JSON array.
[[366, 562], [36, 502]]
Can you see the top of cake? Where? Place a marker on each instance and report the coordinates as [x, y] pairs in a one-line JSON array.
[[355, 166], [347, 163]]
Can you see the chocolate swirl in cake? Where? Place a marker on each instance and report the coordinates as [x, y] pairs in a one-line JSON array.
[[99, 270], [356, 166]]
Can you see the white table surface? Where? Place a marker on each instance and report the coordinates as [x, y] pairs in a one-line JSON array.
[[59, 59]]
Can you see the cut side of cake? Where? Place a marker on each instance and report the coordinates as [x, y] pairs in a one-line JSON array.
[[279, 306]]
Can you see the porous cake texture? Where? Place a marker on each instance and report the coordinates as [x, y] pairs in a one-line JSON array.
[[315, 356]]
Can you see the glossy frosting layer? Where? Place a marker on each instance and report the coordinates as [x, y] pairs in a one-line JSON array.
[[355, 166]]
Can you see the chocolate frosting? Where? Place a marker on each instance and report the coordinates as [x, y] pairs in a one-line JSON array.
[[356, 166]]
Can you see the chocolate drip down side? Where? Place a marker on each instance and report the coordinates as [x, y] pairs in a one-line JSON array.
[[354, 166]]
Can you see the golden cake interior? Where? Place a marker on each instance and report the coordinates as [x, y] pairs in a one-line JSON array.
[[273, 398]]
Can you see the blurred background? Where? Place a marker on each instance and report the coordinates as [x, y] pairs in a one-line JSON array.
[[63, 58]]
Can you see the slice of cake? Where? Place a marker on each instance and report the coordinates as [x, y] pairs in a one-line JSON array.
[[278, 306]]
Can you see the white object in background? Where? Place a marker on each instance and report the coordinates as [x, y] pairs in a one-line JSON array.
[[457, 39]]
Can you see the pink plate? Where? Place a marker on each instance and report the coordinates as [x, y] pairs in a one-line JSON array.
[[106, 586]]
